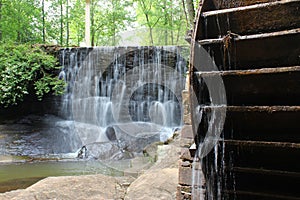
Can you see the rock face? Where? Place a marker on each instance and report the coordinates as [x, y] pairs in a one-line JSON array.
[[73, 187], [155, 184], [161, 180]]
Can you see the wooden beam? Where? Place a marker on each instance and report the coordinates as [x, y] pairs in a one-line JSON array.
[[251, 143], [225, 4], [266, 17], [262, 71], [267, 171], [261, 123], [275, 49], [246, 8], [280, 156], [250, 195], [236, 38], [267, 86]]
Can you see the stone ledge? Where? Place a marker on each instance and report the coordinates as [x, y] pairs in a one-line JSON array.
[[185, 176], [186, 155], [184, 142], [187, 132]]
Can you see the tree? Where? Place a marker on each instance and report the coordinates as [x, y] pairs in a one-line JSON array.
[[25, 70], [20, 21], [43, 19], [190, 7], [148, 8], [62, 21], [77, 25], [108, 19], [87, 23], [67, 24], [164, 20]]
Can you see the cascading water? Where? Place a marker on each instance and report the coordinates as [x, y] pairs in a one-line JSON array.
[[209, 96], [117, 101], [130, 94]]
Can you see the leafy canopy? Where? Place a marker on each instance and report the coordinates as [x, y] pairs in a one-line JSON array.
[[146, 22], [24, 70]]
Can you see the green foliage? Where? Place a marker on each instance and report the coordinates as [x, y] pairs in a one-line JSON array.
[[77, 22], [24, 70], [153, 22], [20, 21], [164, 20]]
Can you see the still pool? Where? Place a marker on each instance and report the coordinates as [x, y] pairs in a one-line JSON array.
[[18, 175]]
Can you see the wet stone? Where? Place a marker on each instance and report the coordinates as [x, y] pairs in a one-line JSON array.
[[185, 164], [186, 142], [187, 132], [185, 154]]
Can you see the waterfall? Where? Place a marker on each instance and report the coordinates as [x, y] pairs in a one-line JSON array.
[[124, 88]]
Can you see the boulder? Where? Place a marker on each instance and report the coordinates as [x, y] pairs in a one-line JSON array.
[[73, 187], [161, 180], [155, 184]]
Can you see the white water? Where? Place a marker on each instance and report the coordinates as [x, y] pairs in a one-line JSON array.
[[112, 86], [208, 124]]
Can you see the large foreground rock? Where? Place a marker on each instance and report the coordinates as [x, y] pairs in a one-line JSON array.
[[156, 184], [96, 187], [161, 180]]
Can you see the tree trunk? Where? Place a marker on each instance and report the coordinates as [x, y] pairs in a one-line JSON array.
[[166, 22], [150, 29], [185, 13], [151, 36], [145, 11], [171, 23], [43, 21], [191, 12], [87, 23], [114, 25], [68, 31], [92, 21], [178, 32], [61, 23]]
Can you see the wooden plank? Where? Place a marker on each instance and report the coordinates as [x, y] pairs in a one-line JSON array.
[[263, 109], [266, 171], [267, 86], [258, 123], [251, 143], [245, 8], [259, 109], [270, 123], [267, 184], [283, 137], [250, 195], [257, 155], [259, 51], [256, 169], [224, 4], [263, 71], [235, 38], [209, 5], [266, 17]]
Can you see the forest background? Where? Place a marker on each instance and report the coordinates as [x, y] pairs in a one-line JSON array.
[[113, 22]]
